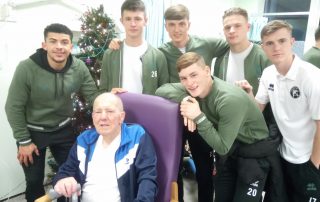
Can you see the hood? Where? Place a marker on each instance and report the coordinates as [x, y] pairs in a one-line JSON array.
[[40, 58]]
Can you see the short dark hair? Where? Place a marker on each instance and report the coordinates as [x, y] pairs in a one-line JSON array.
[[133, 5], [177, 12], [235, 11], [188, 59], [57, 28], [317, 34], [274, 26]]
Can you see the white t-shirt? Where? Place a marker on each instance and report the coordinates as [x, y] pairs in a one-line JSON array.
[[183, 50], [235, 70], [132, 67], [295, 102], [102, 184]]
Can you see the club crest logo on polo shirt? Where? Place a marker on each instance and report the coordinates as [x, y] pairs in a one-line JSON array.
[[295, 92], [271, 87]]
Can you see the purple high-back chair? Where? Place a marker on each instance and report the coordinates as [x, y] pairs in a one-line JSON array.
[[162, 119]]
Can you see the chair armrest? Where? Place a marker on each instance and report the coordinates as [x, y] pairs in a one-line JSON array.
[[45, 198], [174, 192]]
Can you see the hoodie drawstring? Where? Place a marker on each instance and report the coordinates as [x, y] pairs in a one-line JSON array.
[[62, 84], [56, 85]]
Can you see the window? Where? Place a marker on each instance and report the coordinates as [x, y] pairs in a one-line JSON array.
[[279, 6], [295, 12], [298, 22]]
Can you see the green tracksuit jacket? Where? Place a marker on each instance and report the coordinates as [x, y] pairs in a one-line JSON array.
[[313, 56], [207, 48], [230, 115], [42, 97], [154, 70], [254, 64]]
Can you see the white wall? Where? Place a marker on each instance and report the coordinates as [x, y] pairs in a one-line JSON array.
[[21, 34], [11, 173]]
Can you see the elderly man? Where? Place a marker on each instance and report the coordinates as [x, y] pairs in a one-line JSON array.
[[114, 161]]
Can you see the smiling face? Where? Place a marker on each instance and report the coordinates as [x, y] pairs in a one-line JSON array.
[[194, 74], [108, 115], [58, 47], [178, 31]]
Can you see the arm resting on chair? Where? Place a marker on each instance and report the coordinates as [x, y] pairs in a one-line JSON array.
[[52, 195]]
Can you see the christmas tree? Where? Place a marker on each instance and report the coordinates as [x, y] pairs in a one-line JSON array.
[[97, 30]]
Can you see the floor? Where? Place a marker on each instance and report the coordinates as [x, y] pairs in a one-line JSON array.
[[190, 190], [189, 185]]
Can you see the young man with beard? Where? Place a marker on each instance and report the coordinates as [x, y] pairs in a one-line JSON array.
[[39, 105]]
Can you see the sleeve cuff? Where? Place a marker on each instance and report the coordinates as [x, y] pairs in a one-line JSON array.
[[199, 119], [186, 98], [25, 142]]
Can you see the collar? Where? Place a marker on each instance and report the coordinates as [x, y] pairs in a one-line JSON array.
[[293, 71], [125, 138]]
